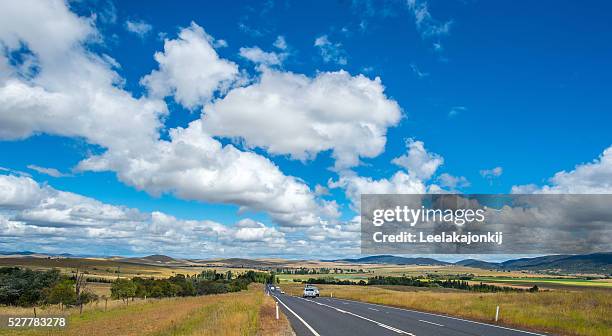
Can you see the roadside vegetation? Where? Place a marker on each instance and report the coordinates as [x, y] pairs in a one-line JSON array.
[[240, 313], [584, 312], [30, 288], [208, 303]]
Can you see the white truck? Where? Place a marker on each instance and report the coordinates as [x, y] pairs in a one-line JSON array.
[[311, 291]]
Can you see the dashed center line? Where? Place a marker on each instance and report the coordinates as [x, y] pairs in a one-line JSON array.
[[438, 324], [373, 309]]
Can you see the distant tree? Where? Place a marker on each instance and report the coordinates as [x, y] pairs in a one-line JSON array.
[[63, 292], [123, 289], [80, 287]]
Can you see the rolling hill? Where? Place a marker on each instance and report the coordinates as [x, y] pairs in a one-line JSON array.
[[595, 263], [599, 263], [389, 259]]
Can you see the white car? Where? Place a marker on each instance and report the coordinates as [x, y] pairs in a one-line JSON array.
[[311, 291]]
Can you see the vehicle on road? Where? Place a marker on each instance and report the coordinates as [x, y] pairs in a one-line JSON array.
[[311, 291]]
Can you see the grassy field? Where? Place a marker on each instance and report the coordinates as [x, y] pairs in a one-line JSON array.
[[111, 269], [108, 269], [244, 313], [546, 282], [417, 270], [585, 312], [514, 278]]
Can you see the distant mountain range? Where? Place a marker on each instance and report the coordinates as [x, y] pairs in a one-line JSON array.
[[600, 263], [389, 259], [595, 263]]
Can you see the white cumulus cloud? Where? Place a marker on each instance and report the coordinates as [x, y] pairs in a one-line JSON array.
[[42, 217], [287, 113], [190, 69], [588, 178], [194, 166], [418, 161], [399, 183], [75, 93]]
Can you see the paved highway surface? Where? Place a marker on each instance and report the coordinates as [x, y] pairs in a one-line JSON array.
[[325, 316]]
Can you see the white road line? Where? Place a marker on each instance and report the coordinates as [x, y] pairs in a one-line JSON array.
[[391, 328], [438, 324], [299, 318], [448, 317], [373, 309], [399, 331]]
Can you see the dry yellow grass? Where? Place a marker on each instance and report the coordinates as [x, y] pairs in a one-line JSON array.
[[107, 268], [585, 312], [269, 324], [370, 270], [242, 313]]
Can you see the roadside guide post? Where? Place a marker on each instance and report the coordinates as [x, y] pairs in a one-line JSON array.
[[277, 310], [496, 313]]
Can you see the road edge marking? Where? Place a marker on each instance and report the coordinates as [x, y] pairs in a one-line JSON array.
[[299, 318], [399, 331]]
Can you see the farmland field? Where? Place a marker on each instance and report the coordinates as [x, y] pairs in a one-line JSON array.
[[546, 282], [513, 278], [109, 269]]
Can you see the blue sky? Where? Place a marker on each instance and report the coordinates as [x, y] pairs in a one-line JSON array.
[[506, 94]]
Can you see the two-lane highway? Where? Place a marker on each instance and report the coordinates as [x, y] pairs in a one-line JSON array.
[[336, 317]]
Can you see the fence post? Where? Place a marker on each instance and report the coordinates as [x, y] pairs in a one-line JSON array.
[[34, 311], [331, 294], [496, 313], [277, 310]]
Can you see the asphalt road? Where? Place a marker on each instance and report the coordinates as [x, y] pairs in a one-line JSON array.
[[325, 316]]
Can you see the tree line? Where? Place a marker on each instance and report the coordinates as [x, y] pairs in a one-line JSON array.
[[322, 270], [206, 283], [26, 287], [421, 282]]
